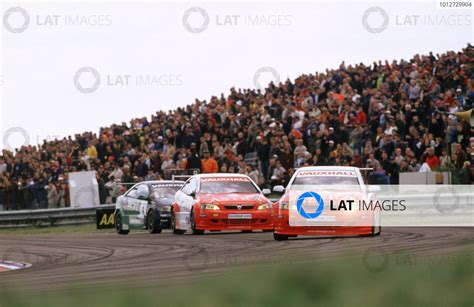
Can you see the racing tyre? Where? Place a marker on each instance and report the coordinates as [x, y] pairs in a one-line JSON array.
[[193, 225], [118, 225], [153, 224], [173, 225], [280, 237]]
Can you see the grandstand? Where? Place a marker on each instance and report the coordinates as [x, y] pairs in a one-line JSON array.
[[387, 116]]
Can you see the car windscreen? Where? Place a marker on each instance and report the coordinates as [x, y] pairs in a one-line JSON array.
[[227, 185], [165, 191]]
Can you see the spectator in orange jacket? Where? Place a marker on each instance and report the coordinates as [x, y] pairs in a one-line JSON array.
[[209, 165]]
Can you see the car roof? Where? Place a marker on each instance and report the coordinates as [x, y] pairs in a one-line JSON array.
[[213, 175], [158, 182]]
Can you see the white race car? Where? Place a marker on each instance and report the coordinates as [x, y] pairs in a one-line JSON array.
[[146, 205], [325, 186]]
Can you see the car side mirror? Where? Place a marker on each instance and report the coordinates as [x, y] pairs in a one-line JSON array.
[[192, 194], [279, 189], [266, 191], [373, 188]]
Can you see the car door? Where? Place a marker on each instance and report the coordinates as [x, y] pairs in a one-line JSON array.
[[136, 207], [185, 201], [189, 198], [127, 200]]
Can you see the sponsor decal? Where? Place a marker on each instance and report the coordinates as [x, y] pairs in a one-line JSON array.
[[326, 173], [12, 265], [225, 179], [105, 218], [165, 185]]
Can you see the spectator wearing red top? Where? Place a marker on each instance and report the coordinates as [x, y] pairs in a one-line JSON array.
[[361, 117], [431, 159]]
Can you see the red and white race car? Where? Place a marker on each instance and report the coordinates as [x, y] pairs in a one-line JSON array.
[[221, 202], [331, 183]]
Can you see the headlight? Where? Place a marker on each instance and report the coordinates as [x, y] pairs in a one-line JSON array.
[[165, 208], [209, 207], [264, 207], [284, 205]]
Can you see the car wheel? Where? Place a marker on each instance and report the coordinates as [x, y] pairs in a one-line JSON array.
[[280, 237], [173, 225], [152, 223], [193, 225], [118, 225]]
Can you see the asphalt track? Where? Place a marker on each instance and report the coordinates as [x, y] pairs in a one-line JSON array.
[[109, 260]]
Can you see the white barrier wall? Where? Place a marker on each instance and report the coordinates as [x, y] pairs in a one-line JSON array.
[[425, 178], [83, 189]]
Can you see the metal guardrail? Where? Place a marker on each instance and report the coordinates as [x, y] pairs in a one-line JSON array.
[[33, 216], [51, 215]]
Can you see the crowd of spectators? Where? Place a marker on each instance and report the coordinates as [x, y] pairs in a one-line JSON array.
[[387, 116]]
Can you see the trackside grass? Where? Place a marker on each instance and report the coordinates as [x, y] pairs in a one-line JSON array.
[[399, 281]]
